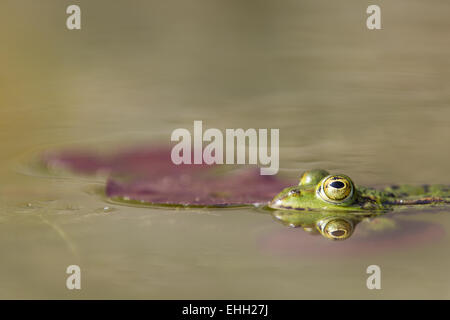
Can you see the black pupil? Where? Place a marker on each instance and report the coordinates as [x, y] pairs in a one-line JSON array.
[[337, 184], [338, 233]]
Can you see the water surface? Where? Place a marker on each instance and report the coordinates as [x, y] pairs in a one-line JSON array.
[[371, 104]]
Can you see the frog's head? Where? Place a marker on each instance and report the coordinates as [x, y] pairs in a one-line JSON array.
[[319, 190]]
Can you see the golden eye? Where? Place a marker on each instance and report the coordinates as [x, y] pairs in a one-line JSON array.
[[336, 189], [335, 228]]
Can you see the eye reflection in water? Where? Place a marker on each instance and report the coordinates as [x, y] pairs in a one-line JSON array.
[[333, 226]]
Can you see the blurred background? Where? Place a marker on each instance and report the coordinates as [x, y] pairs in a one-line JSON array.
[[371, 104]]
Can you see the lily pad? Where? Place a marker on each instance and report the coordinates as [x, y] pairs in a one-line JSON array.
[[148, 176]]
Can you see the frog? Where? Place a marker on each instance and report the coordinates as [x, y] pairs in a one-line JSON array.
[[320, 190], [332, 205]]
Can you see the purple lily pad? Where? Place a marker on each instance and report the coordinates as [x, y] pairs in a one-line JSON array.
[[148, 176]]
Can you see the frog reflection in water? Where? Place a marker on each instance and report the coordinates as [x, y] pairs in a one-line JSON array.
[[333, 205]]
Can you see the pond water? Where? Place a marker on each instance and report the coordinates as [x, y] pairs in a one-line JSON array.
[[371, 104]]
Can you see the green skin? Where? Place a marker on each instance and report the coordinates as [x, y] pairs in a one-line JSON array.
[[305, 196], [306, 205]]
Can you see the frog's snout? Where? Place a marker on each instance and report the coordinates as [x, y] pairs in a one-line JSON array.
[[335, 228]]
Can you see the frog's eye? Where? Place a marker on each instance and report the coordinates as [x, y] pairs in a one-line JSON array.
[[335, 228], [335, 189]]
